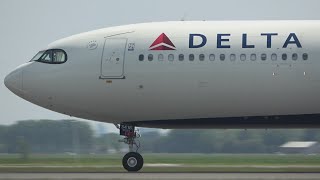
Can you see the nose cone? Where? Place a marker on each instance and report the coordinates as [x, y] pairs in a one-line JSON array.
[[13, 81]]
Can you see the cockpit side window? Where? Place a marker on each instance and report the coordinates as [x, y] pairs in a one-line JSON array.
[[58, 56], [52, 56]]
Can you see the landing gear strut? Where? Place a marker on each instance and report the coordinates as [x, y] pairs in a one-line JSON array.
[[132, 161]]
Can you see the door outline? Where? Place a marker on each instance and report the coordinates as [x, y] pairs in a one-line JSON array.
[[123, 61]]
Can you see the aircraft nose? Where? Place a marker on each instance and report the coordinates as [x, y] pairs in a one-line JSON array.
[[13, 81]]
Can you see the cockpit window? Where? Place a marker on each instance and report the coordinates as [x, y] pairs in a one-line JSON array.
[[47, 57], [37, 56], [58, 56], [52, 56]]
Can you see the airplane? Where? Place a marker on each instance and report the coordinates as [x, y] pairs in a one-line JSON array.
[[180, 75]]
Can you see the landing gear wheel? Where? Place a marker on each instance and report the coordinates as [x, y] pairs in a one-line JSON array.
[[132, 162]]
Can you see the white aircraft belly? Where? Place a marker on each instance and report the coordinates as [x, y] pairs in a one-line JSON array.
[[209, 92]]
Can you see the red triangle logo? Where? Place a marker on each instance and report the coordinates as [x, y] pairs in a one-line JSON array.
[[162, 43]]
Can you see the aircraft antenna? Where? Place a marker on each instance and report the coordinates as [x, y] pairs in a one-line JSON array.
[[184, 17]]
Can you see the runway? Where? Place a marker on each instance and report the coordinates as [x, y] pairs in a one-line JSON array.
[[160, 176]]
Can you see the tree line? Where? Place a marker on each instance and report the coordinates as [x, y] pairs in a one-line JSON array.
[[51, 136], [46, 136], [225, 141]]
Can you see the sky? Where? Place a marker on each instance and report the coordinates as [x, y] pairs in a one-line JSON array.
[[27, 26]]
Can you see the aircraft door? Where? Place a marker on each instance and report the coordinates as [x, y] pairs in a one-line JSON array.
[[112, 62]]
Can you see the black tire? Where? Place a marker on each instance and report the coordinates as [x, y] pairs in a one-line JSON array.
[[132, 162]]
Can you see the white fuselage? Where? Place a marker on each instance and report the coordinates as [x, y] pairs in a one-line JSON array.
[[103, 78]]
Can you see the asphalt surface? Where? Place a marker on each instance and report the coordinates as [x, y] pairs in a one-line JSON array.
[[160, 176]]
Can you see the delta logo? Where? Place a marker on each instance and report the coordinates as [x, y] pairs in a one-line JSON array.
[[223, 41], [162, 43]]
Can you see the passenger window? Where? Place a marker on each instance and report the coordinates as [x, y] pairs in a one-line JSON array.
[[160, 57], [222, 57], [294, 56], [273, 57], [263, 57], [141, 57], [181, 57], [212, 57], [305, 56], [232, 57], [171, 57], [150, 57], [253, 57], [201, 57], [284, 56], [191, 57], [242, 57]]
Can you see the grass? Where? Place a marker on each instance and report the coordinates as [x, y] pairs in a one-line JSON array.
[[188, 162]]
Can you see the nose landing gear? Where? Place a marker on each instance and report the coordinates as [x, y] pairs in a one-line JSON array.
[[132, 161]]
